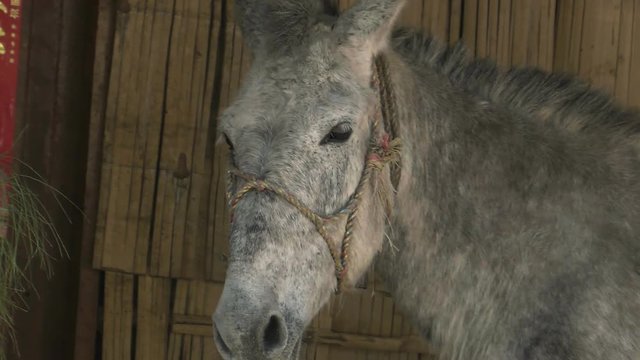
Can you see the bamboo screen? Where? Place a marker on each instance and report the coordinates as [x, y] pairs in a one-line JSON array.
[[166, 68]]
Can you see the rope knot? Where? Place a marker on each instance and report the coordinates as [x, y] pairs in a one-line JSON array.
[[386, 150], [261, 186], [385, 142], [374, 158]]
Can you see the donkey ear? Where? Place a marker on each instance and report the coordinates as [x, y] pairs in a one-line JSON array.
[[271, 26], [365, 30]]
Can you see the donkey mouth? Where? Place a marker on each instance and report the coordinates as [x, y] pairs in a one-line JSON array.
[[295, 354], [292, 352]]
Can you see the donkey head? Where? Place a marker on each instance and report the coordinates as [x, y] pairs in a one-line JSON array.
[[302, 124]]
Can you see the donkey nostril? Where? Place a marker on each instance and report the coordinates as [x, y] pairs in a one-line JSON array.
[[275, 335], [222, 346]]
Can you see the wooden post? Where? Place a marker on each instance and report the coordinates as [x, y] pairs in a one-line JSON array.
[[52, 122]]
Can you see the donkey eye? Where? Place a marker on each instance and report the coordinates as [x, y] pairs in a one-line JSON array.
[[228, 141], [339, 134]]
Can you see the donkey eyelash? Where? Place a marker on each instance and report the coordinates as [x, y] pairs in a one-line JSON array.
[[228, 141], [338, 134]]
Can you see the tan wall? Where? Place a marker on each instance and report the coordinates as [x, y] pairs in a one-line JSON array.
[[165, 69]]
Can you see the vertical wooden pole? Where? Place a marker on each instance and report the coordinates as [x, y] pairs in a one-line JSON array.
[[52, 122]]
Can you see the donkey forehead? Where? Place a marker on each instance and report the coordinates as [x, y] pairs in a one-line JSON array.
[[293, 91]]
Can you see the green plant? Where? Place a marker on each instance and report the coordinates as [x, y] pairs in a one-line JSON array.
[[27, 235]]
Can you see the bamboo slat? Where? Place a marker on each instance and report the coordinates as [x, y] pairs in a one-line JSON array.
[[564, 35], [469, 25], [600, 43], [625, 46], [184, 176], [633, 92], [412, 16], [118, 316], [483, 29], [575, 44], [133, 120], [153, 306], [455, 28]]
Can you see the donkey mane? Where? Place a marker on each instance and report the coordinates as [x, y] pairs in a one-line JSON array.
[[561, 99]]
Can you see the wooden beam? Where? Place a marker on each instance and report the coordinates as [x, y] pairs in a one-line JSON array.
[[201, 326]]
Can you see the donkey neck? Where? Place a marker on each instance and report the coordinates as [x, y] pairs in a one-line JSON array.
[[466, 163], [433, 115], [413, 130]]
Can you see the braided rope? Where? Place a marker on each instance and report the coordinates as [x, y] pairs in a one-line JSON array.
[[385, 150], [389, 109]]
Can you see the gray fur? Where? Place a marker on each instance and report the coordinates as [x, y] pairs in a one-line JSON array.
[[278, 26], [516, 221]]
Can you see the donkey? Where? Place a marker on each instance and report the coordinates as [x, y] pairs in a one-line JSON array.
[[502, 208]]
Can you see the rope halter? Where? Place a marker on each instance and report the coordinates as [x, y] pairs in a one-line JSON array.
[[383, 150]]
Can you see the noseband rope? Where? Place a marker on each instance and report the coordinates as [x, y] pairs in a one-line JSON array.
[[382, 151]]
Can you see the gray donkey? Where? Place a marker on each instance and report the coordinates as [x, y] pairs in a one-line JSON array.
[[502, 208]]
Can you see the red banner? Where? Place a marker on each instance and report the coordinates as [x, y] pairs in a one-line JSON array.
[[10, 16]]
